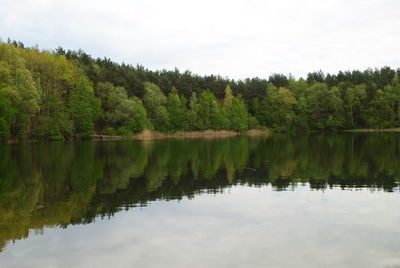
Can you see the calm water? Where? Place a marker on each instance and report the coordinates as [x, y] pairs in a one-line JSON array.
[[279, 201]]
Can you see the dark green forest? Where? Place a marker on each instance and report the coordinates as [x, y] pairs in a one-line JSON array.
[[60, 94]]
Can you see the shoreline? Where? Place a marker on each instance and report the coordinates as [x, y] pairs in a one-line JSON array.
[[198, 134], [153, 135], [373, 130], [203, 134]]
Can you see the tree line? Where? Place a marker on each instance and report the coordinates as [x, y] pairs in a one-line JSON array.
[[60, 94]]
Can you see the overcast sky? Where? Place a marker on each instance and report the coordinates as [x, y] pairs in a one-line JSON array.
[[235, 38]]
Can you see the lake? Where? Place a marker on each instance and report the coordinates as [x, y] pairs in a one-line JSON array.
[[279, 201]]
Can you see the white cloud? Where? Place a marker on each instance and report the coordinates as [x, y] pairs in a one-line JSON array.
[[232, 38]]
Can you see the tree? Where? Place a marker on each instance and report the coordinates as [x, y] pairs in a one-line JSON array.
[[381, 112], [278, 80], [301, 114], [154, 100], [257, 110], [49, 93], [22, 92], [140, 120], [227, 102], [210, 113], [85, 108], [270, 115], [285, 102], [7, 115], [161, 120], [194, 121], [279, 107], [54, 121], [336, 119], [121, 114], [177, 111], [354, 97], [238, 115], [56, 78], [394, 90], [325, 108], [315, 77]]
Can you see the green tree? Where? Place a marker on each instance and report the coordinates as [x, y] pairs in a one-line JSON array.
[[121, 114], [22, 91], [227, 102], [354, 97], [140, 120], [85, 108], [56, 78], [394, 93], [238, 115], [155, 101], [381, 113], [336, 119], [285, 103], [279, 107], [177, 111], [257, 110], [194, 121], [236, 111], [153, 98], [7, 115], [54, 121], [270, 116], [211, 115], [325, 107], [301, 114]]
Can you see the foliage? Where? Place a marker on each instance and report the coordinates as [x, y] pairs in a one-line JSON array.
[[177, 112], [85, 108], [210, 113], [325, 107], [19, 87], [59, 94], [7, 115], [126, 114]]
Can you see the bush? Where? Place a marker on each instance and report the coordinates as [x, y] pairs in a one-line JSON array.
[[124, 131], [109, 131]]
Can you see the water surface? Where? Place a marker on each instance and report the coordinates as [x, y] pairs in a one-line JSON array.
[[279, 201]]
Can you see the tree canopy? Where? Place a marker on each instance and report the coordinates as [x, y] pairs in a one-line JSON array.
[[62, 93]]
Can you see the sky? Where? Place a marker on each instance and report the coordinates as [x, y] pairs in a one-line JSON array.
[[235, 38]]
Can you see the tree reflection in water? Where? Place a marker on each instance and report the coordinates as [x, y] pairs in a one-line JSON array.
[[57, 184]]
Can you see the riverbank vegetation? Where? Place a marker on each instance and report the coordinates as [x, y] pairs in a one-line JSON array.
[[60, 94]]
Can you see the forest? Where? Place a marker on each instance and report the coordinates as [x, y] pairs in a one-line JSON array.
[[62, 94]]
